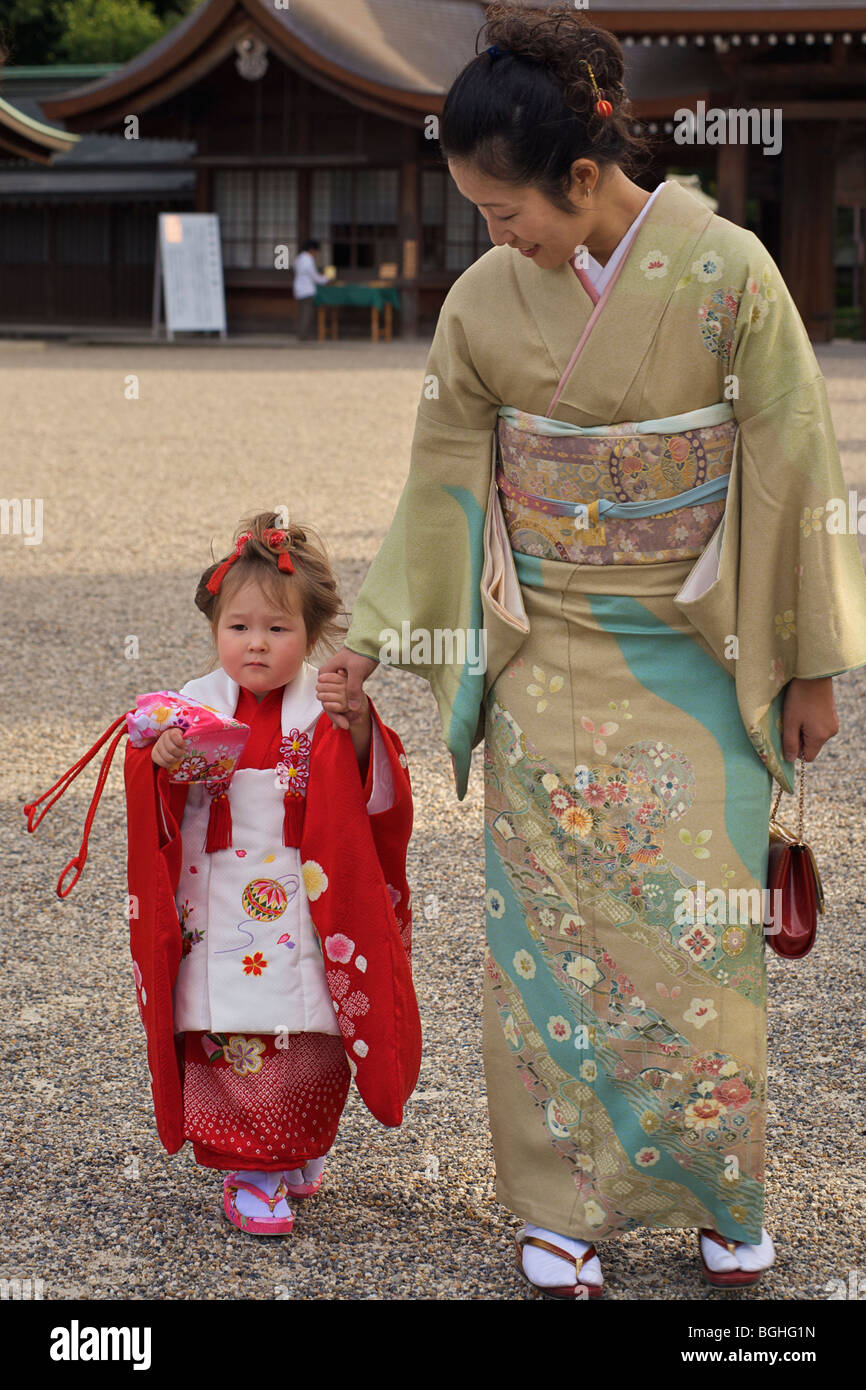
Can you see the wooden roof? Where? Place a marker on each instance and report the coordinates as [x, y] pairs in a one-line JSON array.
[[30, 139], [399, 57], [391, 56]]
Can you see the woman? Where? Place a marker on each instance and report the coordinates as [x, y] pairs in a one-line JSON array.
[[641, 371]]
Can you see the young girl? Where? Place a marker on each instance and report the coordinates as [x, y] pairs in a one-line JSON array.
[[271, 923]]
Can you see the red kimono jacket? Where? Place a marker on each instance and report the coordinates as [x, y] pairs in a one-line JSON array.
[[360, 852]]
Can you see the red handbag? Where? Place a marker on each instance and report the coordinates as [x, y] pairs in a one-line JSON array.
[[796, 894]]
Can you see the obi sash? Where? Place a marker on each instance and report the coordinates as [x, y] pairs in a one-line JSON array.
[[645, 492]]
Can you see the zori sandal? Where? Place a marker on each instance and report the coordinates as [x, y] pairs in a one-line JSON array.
[[308, 1186], [565, 1291], [257, 1225], [726, 1278]]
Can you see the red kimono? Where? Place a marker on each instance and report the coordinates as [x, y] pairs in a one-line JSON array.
[[265, 1101]]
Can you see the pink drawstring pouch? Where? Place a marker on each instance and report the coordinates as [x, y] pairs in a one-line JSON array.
[[214, 742]]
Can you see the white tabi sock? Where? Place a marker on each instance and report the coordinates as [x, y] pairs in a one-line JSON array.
[[310, 1171], [249, 1205], [549, 1271], [749, 1257]]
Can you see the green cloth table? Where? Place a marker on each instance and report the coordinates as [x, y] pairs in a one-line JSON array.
[[375, 297]]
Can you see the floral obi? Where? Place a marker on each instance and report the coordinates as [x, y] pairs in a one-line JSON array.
[[629, 494]]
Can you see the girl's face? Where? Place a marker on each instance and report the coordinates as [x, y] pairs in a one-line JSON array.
[[519, 216], [259, 645]]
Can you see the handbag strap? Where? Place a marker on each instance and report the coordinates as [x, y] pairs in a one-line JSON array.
[[802, 764]]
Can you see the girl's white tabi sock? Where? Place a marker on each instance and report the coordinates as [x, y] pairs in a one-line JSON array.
[[310, 1171], [749, 1257], [549, 1271], [249, 1205]]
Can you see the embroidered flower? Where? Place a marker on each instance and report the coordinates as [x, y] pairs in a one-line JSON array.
[[560, 801], [616, 790], [600, 734], [811, 520], [699, 1012], [254, 965], [708, 268], [758, 313], [594, 1213], [733, 941], [645, 1158], [339, 948], [495, 903], [594, 794], [541, 689], [315, 879], [655, 265], [703, 1114], [244, 1054], [588, 1071], [524, 965], [559, 1028], [701, 838], [733, 1093], [550, 781], [785, 624], [649, 1121], [576, 820]]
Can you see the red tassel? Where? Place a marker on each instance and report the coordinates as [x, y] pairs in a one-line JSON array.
[[293, 820], [219, 824]]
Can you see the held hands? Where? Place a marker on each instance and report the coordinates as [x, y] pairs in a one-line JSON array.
[[347, 702], [332, 691], [809, 710], [168, 748]]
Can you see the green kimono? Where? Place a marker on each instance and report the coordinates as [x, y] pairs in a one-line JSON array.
[[652, 550]]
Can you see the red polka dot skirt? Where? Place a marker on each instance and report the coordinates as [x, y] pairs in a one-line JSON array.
[[250, 1103]]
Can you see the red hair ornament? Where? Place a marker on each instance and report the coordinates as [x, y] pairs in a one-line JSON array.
[[274, 539]]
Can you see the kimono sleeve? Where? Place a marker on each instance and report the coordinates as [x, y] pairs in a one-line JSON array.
[[420, 607], [154, 811], [790, 585]]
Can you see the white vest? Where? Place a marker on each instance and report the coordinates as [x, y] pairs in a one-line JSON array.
[[258, 967]]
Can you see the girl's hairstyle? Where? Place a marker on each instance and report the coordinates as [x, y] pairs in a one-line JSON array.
[[524, 114], [310, 589]]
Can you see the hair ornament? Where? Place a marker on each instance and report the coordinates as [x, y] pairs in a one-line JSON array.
[[274, 539], [602, 105], [496, 52]]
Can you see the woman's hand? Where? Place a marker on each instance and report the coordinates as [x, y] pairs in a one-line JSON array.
[[358, 669], [168, 748], [810, 710]]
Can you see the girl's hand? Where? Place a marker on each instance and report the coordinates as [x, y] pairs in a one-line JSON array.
[[809, 709], [357, 668], [332, 691], [168, 748]]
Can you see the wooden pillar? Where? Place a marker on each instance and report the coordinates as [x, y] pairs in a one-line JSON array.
[[732, 176], [809, 222], [410, 245]]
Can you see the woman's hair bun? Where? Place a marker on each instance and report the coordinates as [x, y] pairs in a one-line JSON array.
[[564, 41]]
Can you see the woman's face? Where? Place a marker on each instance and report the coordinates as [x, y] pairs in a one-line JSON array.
[[520, 216]]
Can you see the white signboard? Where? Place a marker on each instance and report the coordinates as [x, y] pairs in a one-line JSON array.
[[189, 271]]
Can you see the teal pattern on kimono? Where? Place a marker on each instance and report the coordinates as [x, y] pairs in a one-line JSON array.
[[547, 1003], [678, 670]]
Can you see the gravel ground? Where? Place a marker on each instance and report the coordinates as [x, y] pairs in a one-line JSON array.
[[133, 492]]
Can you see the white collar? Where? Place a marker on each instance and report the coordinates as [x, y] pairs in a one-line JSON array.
[[299, 709], [600, 274]]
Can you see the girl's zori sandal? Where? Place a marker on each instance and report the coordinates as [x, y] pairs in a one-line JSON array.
[[566, 1291], [257, 1225]]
